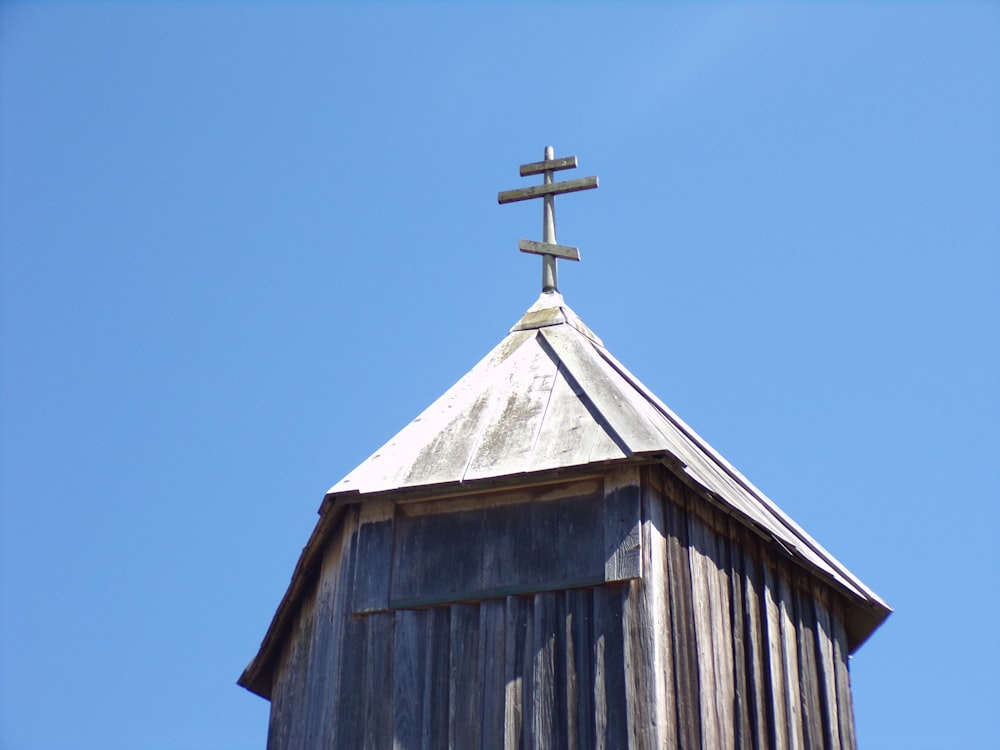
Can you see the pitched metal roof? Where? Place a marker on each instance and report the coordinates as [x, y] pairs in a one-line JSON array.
[[550, 396]]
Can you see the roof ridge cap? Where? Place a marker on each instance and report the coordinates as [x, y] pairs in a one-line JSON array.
[[550, 309]]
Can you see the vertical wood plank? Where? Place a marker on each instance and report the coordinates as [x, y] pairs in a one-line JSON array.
[[622, 526], [756, 646], [349, 731], [337, 574], [789, 653], [378, 682], [703, 576], [465, 690], [775, 660], [611, 713], [650, 692], [561, 670], [543, 708], [685, 647], [437, 673], [742, 699], [580, 668], [287, 724], [845, 707], [518, 642], [717, 548], [408, 679], [827, 676], [812, 718], [374, 552], [492, 662]]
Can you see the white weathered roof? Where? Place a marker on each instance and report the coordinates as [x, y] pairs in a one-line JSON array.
[[550, 396]]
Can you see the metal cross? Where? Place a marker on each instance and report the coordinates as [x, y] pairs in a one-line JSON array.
[[548, 191]]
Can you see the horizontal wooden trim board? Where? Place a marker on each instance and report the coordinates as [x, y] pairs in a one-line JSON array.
[[469, 549]]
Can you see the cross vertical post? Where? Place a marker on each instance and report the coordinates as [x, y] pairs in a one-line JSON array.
[[548, 191], [549, 275]]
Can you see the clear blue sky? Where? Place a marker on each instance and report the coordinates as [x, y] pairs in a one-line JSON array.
[[243, 244]]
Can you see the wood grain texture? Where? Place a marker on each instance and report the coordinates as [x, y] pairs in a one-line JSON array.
[[812, 720], [775, 661], [684, 644], [437, 679], [610, 712], [845, 706], [827, 676], [489, 551], [543, 725], [408, 678], [580, 669], [758, 694], [622, 533], [516, 657], [790, 657], [742, 705], [334, 602], [465, 682], [377, 686], [722, 643], [492, 665], [703, 576]]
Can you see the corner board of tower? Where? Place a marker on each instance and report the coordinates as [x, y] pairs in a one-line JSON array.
[[548, 556]]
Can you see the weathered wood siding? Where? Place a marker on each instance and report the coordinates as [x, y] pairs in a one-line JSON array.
[[719, 642]]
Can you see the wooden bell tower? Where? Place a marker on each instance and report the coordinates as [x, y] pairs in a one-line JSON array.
[[548, 557]]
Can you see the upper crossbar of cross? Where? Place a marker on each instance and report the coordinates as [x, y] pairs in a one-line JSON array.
[[547, 191]]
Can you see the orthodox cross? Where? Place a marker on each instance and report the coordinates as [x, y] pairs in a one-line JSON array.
[[548, 191]]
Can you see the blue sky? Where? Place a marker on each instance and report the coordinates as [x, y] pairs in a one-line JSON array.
[[243, 244]]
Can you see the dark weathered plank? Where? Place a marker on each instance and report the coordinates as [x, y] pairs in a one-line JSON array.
[[378, 682], [437, 558], [516, 654], [581, 540], [288, 726], [610, 710], [349, 730], [722, 634], [684, 645], [812, 718], [374, 551], [580, 669], [742, 691], [775, 661], [648, 648], [789, 652], [408, 677], [533, 546], [827, 676], [437, 673], [543, 707], [492, 661], [334, 608], [703, 579], [756, 647], [465, 690], [845, 707], [622, 528], [560, 653]]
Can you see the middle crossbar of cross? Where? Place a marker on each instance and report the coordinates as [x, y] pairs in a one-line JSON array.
[[548, 190]]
